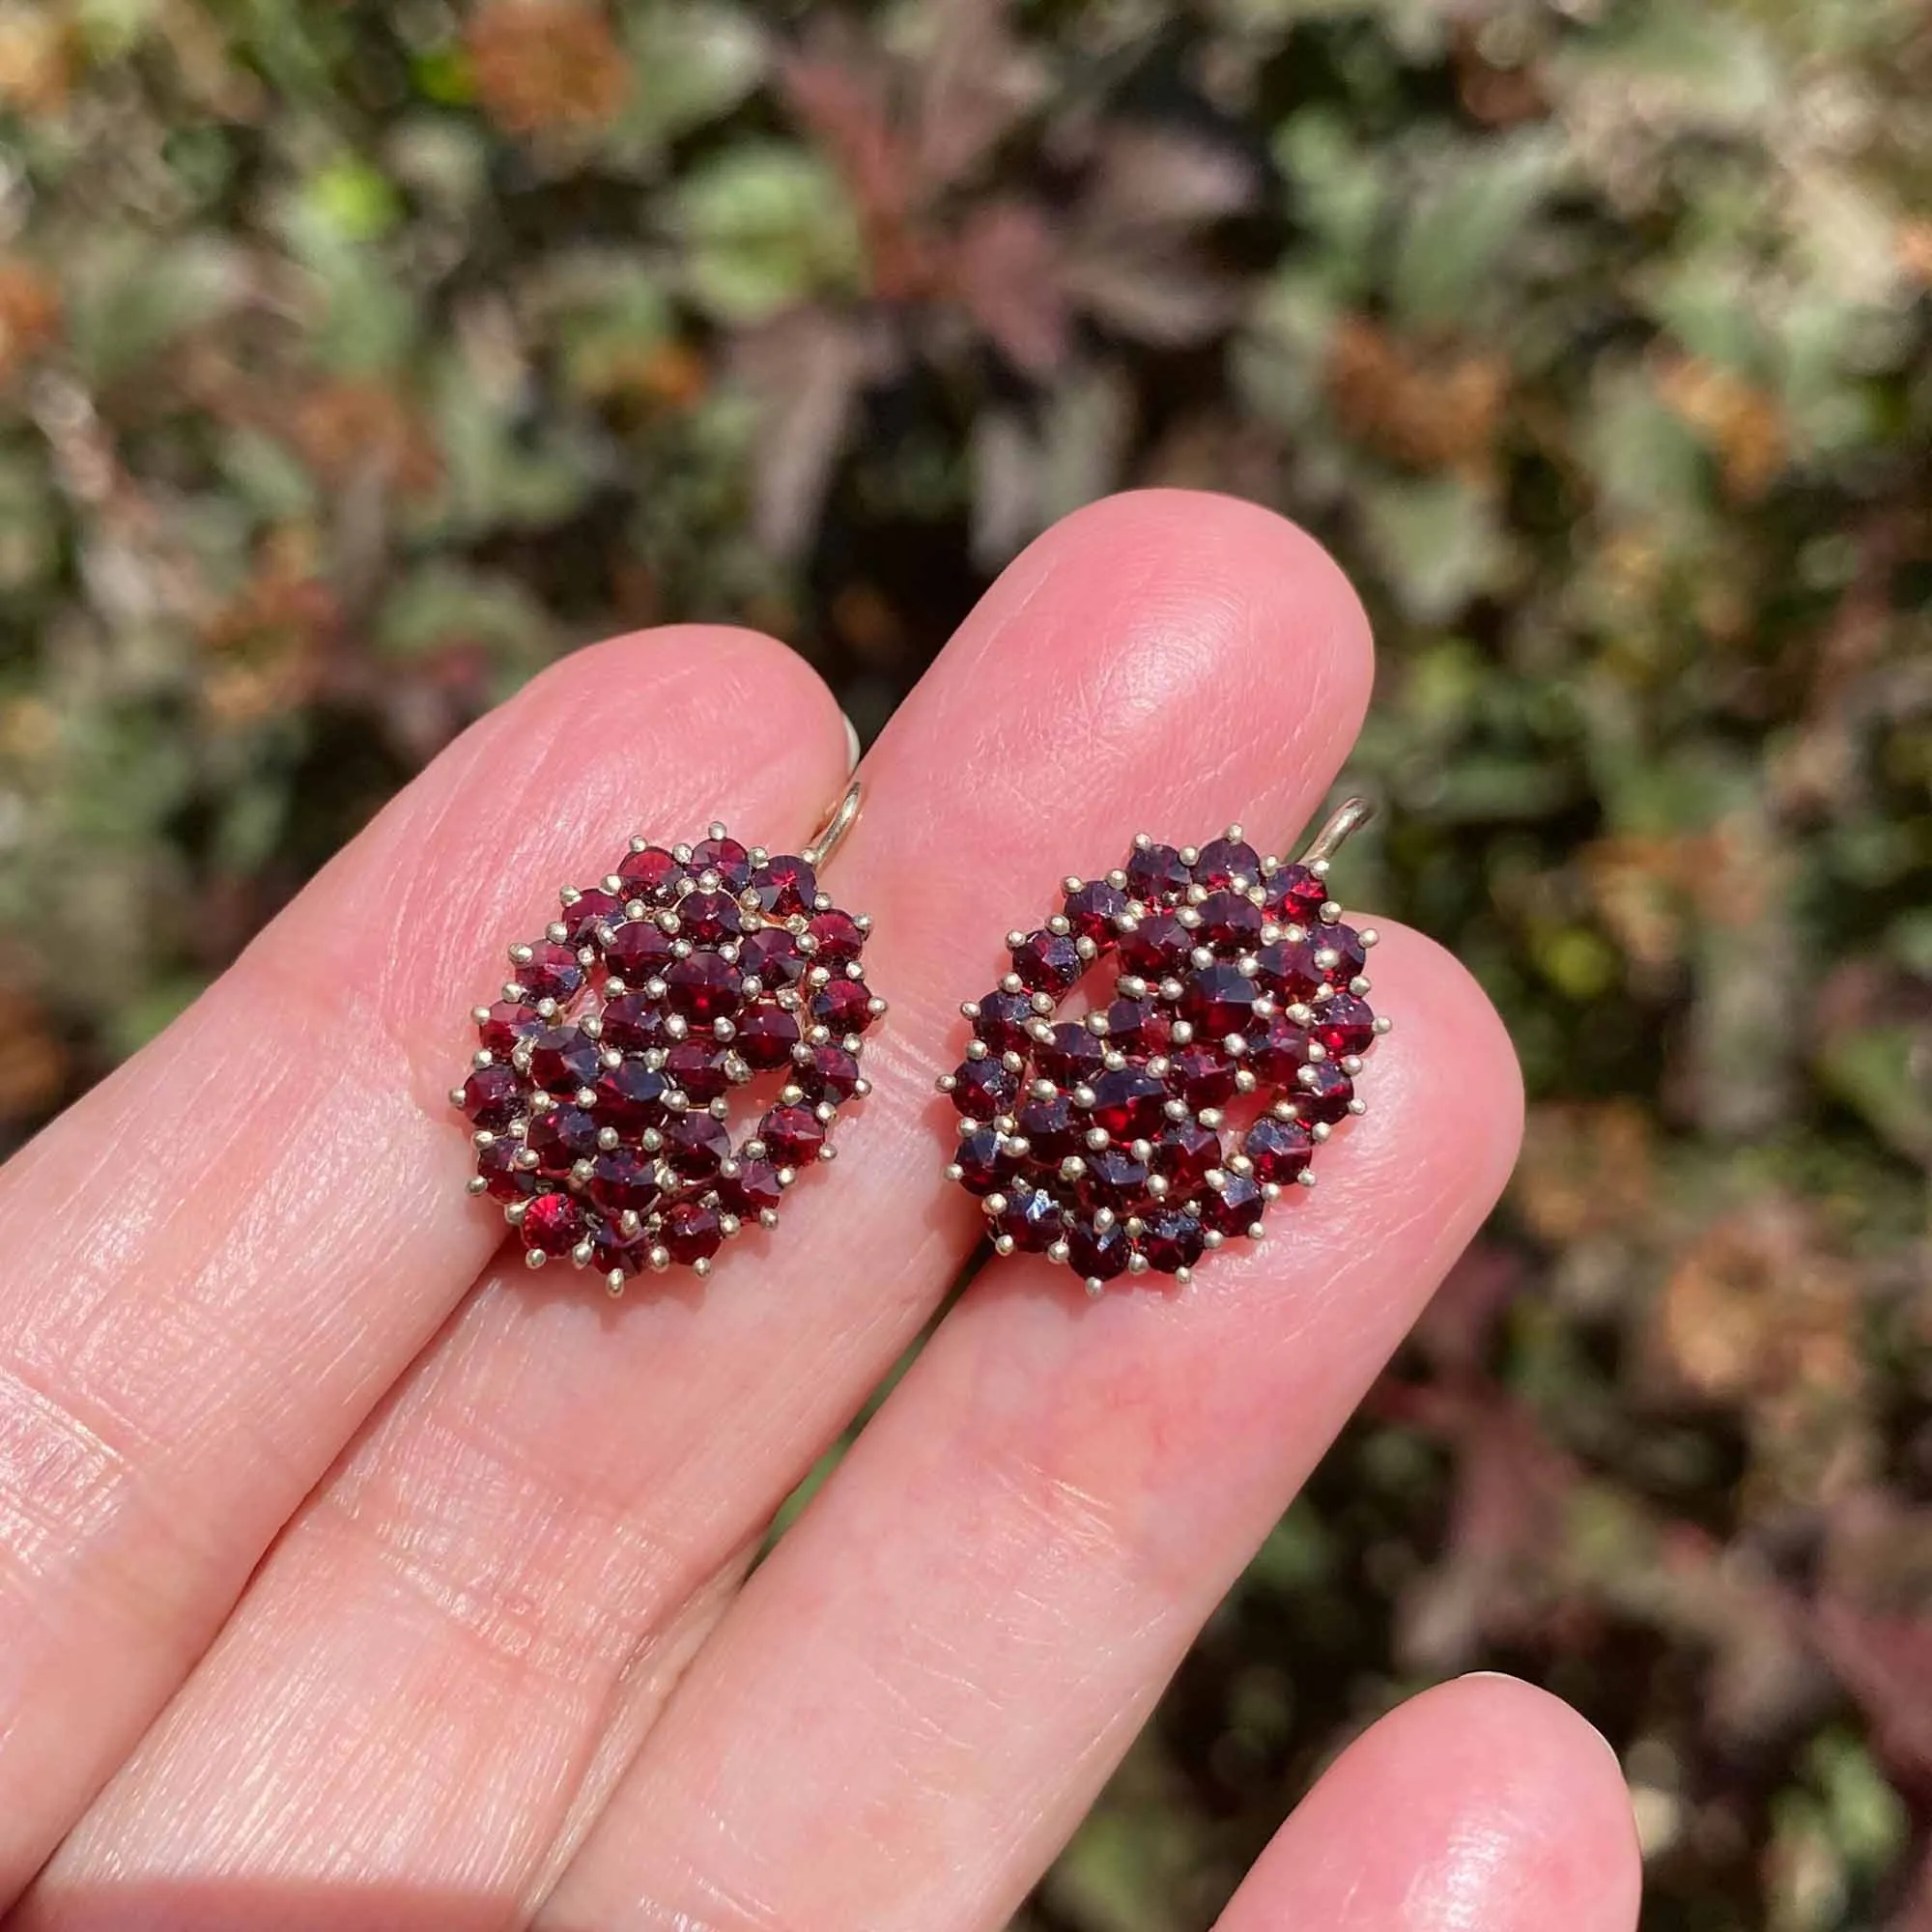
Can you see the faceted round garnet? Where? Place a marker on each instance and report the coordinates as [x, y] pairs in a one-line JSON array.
[[727, 857], [553, 1224], [493, 1097], [590, 910], [844, 1005], [506, 1024], [1093, 909], [1049, 962], [638, 950], [754, 1189], [829, 1074], [552, 971], [786, 886], [792, 1135], [1155, 1075], [670, 993], [652, 875], [984, 1088]]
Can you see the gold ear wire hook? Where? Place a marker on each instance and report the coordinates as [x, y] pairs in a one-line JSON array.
[[842, 818], [1347, 818]]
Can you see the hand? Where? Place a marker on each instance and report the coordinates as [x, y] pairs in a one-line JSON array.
[[355, 1578]]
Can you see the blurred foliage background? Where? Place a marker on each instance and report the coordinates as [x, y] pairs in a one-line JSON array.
[[356, 359]]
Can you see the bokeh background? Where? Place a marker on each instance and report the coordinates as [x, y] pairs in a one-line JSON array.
[[358, 360]]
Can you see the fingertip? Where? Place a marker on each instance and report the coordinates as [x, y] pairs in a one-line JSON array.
[[1483, 1802]]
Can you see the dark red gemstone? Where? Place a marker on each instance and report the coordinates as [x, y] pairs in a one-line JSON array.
[[1282, 967], [695, 1145], [1336, 953], [1034, 1221], [1219, 1001], [632, 1022], [771, 955], [983, 1088], [1324, 1093], [1114, 1180], [754, 1191], [1172, 1241], [690, 1232], [839, 939], [1279, 1149], [696, 1068], [1183, 1150], [1051, 1128], [1097, 1254], [507, 1024], [1049, 962], [703, 987], [984, 1165], [587, 911], [785, 885], [727, 857], [845, 1005], [709, 917], [624, 1178], [830, 1074], [610, 1250], [1233, 1208], [554, 971], [652, 875], [1092, 910], [1155, 872], [638, 950], [630, 1094], [562, 1059], [1295, 895], [502, 1179], [1157, 947], [1130, 1103], [1139, 1028], [493, 1097], [1227, 862], [1072, 1056], [766, 1037], [562, 1136], [792, 1135], [553, 1224], [1230, 923], [1003, 1022], [1345, 1024], [1277, 1051], [1205, 1076]]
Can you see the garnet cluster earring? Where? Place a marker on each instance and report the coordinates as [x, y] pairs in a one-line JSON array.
[[1161, 1061], [1166, 1119], [601, 1093]]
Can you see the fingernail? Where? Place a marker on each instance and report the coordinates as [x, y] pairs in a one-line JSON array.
[[852, 745]]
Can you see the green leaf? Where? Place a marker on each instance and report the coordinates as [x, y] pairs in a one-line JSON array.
[[767, 224]]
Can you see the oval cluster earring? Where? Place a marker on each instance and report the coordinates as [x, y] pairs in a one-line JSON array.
[[601, 1093], [1163, 1122]]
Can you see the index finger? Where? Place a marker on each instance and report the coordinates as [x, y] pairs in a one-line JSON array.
[[228, 1251]]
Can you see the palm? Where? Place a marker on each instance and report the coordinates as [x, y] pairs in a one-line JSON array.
[[498, 1666]]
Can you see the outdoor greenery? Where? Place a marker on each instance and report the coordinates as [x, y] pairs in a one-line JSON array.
[[356, 359]]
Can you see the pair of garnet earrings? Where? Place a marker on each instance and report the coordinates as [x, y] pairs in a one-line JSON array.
[[1224, 1024]]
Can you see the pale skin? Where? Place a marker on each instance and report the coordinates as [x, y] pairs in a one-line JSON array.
[[353, 1576]]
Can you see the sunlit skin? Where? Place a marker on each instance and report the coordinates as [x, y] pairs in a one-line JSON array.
[[354, 1576]]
